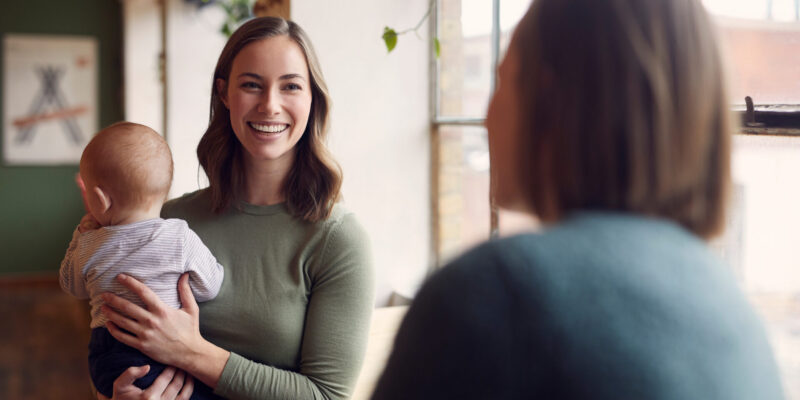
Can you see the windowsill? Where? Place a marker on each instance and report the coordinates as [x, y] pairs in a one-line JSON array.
[[770, 131]]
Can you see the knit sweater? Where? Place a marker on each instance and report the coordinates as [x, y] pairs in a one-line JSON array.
[[295, 304], [600, 306]]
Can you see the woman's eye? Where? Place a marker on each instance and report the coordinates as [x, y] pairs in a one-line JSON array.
[[292, 86], [250, 85]]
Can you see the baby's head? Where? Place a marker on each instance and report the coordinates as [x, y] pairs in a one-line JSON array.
[[127, 171]]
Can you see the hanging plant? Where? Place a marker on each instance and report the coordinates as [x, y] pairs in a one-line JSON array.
[[390, 34]]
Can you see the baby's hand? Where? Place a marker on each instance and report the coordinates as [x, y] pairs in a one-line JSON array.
[[88, 223]]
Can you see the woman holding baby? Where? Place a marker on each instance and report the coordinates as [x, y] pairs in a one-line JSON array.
[[292, 316]]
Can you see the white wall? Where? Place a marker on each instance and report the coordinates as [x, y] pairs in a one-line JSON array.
[[142, 42], [379, 126]]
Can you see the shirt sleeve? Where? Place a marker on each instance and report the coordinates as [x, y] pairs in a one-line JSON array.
[[335, 333], [205, 273], [70, 274]]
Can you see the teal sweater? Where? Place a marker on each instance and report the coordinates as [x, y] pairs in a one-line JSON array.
[[601, 306], [295, 304]]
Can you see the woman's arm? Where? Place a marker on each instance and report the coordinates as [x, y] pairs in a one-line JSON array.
[[171, 336], [335, 333]]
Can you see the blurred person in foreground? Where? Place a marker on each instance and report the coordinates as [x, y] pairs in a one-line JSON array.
[[611, 125]]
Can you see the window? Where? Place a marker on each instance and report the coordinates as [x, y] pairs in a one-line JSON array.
[[473, 36], [761, 42]]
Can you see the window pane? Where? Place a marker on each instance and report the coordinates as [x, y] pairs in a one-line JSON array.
[[463, 189], [761, 54], [778, 10], [760, 242], [763, 59], [465, 70]]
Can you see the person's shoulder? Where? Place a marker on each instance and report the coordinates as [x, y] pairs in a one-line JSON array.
[[489, 266], [343, 222], [189, 204]]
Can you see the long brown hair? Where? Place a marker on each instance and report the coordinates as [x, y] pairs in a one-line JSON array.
[[624, 108], [313, 184]]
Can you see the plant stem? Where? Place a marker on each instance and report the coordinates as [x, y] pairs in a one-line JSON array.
[[421, 21]]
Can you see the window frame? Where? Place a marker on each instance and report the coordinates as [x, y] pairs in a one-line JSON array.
[[438, 121], [770, 119]]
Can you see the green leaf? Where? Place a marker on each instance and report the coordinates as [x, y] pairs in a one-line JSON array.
[[390, 38], [436, 46]]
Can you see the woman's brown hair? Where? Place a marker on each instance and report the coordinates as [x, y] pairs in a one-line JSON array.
[[313, 184], [624, 108]]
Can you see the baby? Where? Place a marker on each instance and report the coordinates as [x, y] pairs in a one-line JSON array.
[[126, 170]]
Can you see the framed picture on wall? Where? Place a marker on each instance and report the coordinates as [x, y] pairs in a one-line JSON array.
[[49, 98]]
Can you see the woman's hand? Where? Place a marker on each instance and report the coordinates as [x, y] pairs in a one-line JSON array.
[[170, 385], [170, 336]]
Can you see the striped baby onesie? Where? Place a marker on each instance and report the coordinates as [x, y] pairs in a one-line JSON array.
[[156, 252]]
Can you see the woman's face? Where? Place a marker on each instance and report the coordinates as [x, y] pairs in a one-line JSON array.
[[503, 124], [268, 94]]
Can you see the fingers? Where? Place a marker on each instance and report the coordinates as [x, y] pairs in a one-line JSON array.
[[123, 306], [187, 389], [122, 336], [187, 298], [129, 376], [120, 320], [149, 298], [174, 387], [159, 385]]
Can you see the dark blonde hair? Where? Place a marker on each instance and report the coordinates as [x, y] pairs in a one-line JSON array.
[[130, 162], [624, 108], [315, 179]]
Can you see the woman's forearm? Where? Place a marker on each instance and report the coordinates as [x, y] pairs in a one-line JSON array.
[[206, 363]]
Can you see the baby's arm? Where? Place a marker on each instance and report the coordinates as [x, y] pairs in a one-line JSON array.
[[71, 274], [205, 273]]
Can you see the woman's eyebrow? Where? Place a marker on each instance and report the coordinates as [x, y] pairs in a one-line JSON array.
[[250, 75], [282, 77], [292, 76]]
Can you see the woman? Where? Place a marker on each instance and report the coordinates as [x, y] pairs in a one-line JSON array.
[[610, 124], [292, 315]]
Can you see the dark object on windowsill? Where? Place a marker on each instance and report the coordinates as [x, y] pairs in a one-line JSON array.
[[750, 114], [773, 119]]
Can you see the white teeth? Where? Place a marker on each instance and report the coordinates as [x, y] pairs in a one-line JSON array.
[[268, 128]]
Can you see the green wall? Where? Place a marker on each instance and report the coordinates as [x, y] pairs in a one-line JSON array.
[[40, 206]]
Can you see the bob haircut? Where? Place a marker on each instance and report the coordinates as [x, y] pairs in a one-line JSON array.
[[624, 108], [313, 184]]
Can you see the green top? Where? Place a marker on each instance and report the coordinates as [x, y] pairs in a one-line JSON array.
[[295, 305]]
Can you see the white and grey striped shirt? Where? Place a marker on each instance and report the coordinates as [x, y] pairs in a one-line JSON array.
[[155, 251]]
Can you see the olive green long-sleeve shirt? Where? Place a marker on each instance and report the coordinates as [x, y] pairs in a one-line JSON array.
[[295, 305]]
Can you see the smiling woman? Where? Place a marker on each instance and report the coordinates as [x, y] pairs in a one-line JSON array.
[[292, 315]]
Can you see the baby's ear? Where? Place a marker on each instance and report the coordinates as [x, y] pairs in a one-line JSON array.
[[222, 91], [103, 198]]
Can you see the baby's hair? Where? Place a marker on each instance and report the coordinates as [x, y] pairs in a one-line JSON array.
[[130, 162]]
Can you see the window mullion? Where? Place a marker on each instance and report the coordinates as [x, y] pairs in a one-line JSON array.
[[494, 229]]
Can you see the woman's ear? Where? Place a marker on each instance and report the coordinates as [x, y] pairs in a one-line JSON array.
[[102, 198], [222, 92]]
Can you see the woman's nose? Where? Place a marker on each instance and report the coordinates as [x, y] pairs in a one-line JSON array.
[[270, 103]]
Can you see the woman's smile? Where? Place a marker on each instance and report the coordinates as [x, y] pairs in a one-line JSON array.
[[268, 129]]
